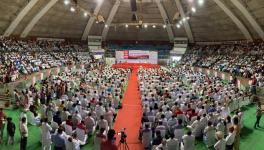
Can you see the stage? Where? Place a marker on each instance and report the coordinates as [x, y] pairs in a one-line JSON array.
[[135, 65]]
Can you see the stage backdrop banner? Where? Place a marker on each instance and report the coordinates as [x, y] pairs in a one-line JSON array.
[[137, 56]]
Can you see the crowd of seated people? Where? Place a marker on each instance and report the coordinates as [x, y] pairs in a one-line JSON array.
[[25, 57], [12, 44], [74, 105], [242, 59], [176, 99]]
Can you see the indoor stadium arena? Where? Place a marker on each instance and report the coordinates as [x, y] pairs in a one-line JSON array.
[[131, 74]]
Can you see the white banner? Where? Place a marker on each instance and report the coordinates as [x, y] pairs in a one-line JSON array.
[[137, 56]]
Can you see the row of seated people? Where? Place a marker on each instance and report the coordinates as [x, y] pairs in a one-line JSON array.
[[242, 59], [12, 44], [14, 64], [174, 100], [74, 105]]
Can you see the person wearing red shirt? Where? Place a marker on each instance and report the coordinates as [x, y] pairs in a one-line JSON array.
[[2, 124], [178, 111], [192, 114], [109, 144], [82, 126], [69, 121]]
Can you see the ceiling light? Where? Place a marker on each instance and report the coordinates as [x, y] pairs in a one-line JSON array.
[[154, 26], [193, 9], [85, 14], [126, 25], [188, 18], [96, 22], [145, 26], [180, 22], [72, 9], [183, 19], [164, 26], [178, 26], [137, 26], [200, 2], [66, 2], [106, 26]]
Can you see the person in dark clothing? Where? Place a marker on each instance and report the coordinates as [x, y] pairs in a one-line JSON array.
[[11, 128], [57, 118], [58, 140], [158, 139], [258, 115]]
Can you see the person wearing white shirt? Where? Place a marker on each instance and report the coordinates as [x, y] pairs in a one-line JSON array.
[[24, 134], [197, 127], [102, 123], [109, 116], [72, 143], [204, 121], [99, 138], [45, 135], [146, 136], [220, 126], [162, 146], [221, 143], [188, 141], [173, 143], [99, 109], [64, 114], [90, 123], [230, 139], [209, 135]]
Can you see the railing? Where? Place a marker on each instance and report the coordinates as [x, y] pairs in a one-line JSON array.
[[5, 101]]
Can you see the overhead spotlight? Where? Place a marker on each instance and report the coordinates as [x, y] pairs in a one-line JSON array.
[[178, 26], [145, 26], [184, 19], [66, 2], [96, 21], [193, 9], [137, 26], [154, 26], [188, 18], [126, 25], [164, 26], [72, 9], [200, 2], [85, 14], [106, 26]]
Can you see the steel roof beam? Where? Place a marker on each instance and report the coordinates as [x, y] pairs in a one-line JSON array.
[[19, 17], [249, 17], [37, 17], [239, 24]]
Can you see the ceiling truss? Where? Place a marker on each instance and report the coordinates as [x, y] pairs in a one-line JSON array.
[[239, 24], [37, 17], [19, 17], [166, 20]]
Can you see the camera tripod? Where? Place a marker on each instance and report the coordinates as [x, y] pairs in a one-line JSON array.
[[122, 145]]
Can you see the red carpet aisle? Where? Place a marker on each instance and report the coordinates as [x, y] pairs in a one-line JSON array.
[[129, 116]]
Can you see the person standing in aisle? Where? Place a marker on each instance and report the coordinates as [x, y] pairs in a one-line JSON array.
[[24, 134], [11, 129], [46, 136], [258, 115], [237, 130]]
